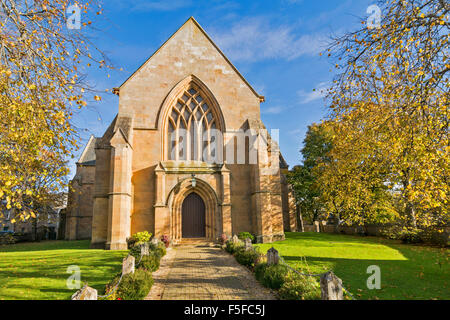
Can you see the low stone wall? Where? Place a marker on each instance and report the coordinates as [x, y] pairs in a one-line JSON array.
[[371, 230], [328, 229], [309, 228]]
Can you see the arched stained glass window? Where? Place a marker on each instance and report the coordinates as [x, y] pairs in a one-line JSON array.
[[191, 127]]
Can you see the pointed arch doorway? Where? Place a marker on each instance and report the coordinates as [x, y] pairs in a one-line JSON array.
[[193, 217], [211, 228]]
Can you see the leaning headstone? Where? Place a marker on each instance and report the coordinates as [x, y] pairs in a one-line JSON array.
[[144, 249], [272, 256], [331, 287], [85, 293], [128, 265], [248, 244]]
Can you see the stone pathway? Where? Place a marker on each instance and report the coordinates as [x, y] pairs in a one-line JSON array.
[[203, 272]]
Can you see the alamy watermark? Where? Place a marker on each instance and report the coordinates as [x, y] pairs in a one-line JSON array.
[[74, 280], [374, 19], [74, 17], [374, 280], [255, 147]]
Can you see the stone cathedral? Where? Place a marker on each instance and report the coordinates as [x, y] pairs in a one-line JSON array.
[[172, 163]]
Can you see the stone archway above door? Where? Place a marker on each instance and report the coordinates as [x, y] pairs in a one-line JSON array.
[[173, 185], [208, 196]]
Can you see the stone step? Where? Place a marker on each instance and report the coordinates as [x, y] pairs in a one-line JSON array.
[[194, 241]]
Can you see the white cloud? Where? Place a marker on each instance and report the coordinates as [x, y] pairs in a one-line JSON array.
[[162, 5], [296, 132], [273, 110], [158, 5], [319, 93], [255, 40]]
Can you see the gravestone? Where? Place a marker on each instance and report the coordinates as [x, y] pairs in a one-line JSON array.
[[144, 249], [272, 256], [128, 265], [248, 244], [85, 293], [331, 287]]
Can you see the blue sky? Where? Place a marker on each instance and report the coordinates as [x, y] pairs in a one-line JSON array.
[[275, 44]]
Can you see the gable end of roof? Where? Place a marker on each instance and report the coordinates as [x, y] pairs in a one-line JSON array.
[[260, 97]]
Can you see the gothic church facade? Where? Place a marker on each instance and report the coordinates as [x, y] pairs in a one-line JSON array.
[[170, 163]]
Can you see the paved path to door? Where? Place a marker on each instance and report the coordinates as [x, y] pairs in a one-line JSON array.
[[204, 272]]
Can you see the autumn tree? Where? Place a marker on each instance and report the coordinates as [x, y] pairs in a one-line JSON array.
[[303, 179], [41, 86], [353, 189], [389, 111]]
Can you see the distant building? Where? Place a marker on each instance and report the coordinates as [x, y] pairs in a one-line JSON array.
[[47, 225]]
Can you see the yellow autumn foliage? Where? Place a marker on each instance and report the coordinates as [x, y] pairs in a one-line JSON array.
[[389, 111], [40, 86]]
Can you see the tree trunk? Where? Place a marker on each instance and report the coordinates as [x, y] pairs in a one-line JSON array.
[[410, 210], [411, 214], [337, 219], [315, 215], [35, 238], [301, 227]]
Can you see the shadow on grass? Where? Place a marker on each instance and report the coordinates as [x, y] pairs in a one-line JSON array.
[[334, 238], [46, 245], [415, 272], [38, 270], [58, 269]]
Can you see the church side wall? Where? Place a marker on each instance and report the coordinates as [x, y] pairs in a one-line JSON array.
[[241, 205], [102, 188], [79, 218], [286, 205], [146, 156]]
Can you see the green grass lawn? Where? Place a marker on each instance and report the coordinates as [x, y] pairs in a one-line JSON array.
[[407, 271], [38, 270]]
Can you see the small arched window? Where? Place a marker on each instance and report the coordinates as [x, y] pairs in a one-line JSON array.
[[193, 131]]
